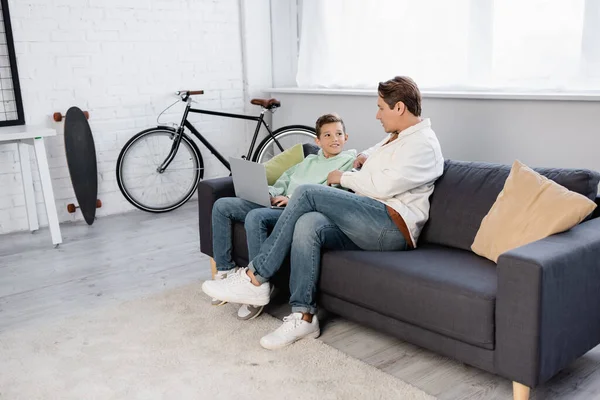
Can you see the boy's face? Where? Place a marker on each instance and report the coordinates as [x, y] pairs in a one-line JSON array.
[[332, 139]]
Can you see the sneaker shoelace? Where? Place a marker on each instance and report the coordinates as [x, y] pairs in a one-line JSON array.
[[237, 276], [226, 274], [290, 323]]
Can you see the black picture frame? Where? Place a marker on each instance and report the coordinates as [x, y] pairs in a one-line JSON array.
[[16, 87]]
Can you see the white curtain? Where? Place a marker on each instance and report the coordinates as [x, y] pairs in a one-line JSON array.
[[451, 44]]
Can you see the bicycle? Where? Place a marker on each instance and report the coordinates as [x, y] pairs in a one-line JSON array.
[[158, 169]]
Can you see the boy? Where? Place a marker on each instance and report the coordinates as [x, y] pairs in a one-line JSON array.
[[331, 136]]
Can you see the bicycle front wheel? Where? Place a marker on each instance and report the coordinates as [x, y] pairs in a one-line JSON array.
[[287, 136], [139, 179]]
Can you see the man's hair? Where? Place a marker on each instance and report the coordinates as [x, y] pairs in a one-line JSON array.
[[403, 89], [328, 119]]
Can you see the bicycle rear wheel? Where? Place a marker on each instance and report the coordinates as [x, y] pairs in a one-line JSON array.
[[287, 136], [137, 170]]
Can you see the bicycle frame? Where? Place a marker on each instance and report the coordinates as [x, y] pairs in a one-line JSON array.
[[187, 124]]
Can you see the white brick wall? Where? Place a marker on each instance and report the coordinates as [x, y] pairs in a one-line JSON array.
[[121, 60]]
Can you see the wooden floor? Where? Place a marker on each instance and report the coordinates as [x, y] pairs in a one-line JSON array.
[[127, 256]]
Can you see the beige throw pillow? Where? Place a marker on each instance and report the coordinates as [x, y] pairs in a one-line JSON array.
[[529, 208]]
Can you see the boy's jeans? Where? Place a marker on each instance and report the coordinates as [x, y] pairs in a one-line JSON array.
[[257, 221], [317, 217]]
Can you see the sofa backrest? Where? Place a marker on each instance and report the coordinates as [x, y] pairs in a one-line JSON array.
[[310, 148], [466, 191]]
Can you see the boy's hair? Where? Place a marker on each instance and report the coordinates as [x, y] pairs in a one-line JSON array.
[[403, 89], [328, 119]]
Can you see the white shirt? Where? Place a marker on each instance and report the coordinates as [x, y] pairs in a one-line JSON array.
[[401, 174]]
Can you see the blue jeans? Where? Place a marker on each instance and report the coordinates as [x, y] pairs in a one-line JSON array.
[[317, 217], [257, 221]]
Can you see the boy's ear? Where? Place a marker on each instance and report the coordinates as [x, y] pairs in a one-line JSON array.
[[318, 142]]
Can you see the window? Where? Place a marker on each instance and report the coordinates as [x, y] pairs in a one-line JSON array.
[[512, 45]]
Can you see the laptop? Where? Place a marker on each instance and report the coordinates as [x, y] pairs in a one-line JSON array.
[[250, 182]]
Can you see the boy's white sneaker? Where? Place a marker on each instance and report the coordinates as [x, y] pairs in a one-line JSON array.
[[293, 328], [237, 288], [247, 312], [218, 276]]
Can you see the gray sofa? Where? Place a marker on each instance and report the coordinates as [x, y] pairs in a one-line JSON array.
[[525, 318]]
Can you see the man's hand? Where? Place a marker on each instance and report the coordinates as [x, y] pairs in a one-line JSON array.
[[279, 201], [360, 160], [334, 177]]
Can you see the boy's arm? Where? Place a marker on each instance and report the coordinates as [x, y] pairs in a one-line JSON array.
[[347, 166], [280, 186]]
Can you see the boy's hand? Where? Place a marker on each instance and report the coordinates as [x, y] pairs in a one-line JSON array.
[[334, 177], [360, 160], [279, 201]]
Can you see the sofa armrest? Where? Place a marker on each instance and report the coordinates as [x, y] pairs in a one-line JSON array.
[[548, 304], [596, 212], [209, 191]]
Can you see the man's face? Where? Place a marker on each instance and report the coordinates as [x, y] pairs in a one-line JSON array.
[[332, 139], [387, 116]]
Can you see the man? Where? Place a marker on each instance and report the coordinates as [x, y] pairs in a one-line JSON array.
[[386, 212]]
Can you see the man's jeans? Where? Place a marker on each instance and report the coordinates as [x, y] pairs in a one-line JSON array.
[[257, 221], [317, 217]]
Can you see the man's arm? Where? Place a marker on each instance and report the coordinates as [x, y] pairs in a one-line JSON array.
[[371, 149], [404, 173], [363, 155]]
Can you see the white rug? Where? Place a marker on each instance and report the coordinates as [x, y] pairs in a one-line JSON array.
[[177, 346]]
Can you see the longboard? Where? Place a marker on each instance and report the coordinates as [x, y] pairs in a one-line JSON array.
[[81, 160]]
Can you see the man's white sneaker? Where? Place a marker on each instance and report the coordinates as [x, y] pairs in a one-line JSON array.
[[293, 328], [218, 276], [237, 288]]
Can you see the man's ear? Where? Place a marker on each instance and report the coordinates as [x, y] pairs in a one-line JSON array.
[[400, 107]]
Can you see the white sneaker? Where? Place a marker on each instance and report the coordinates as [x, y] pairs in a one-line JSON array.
[[237, 288], [247, 312], [218, 276], [293, 328]]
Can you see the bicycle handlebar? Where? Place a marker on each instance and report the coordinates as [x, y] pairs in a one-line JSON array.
[[189, 92]]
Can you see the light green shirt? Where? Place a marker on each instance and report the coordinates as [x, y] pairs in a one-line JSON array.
[[313, 169]]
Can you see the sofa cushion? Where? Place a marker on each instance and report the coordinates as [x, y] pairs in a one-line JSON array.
[[448, 291], [277, 165], [529, 208], [466, 191]]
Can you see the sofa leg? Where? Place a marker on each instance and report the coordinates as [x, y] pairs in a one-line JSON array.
[[213, 268], [520, 391]]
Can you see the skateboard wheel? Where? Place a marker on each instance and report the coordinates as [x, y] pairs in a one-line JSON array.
[[71, 208], [98, 203], [58, 116]]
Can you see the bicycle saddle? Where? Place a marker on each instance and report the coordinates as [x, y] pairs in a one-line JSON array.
[[266, 103]]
